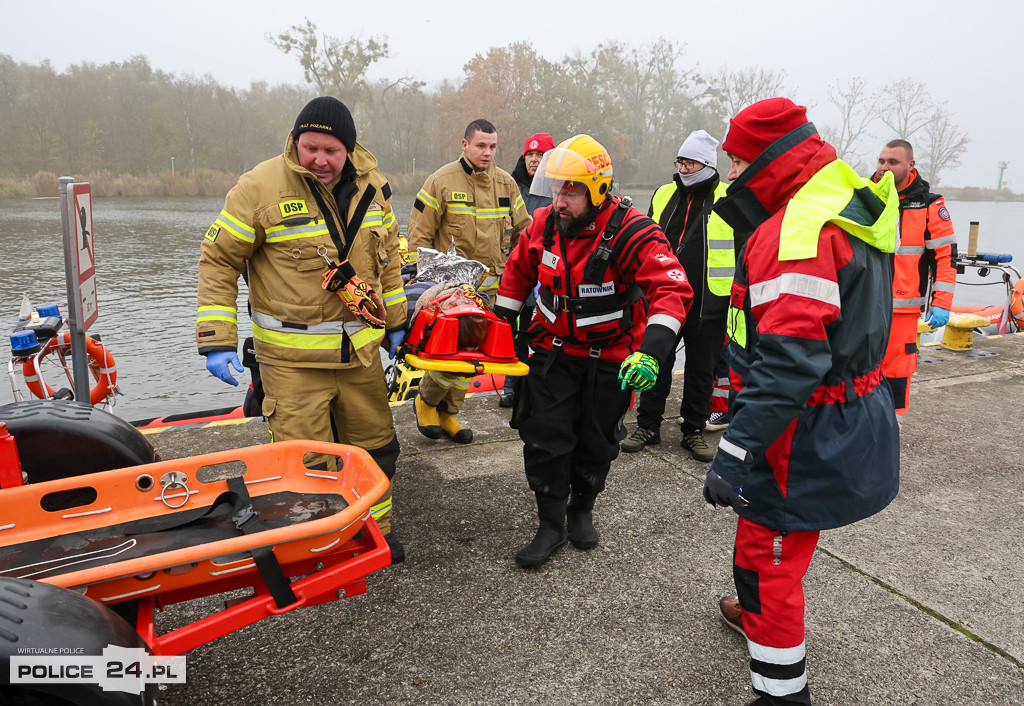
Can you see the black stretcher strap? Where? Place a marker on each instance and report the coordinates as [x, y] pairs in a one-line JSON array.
[[267, 564], [239, 503]]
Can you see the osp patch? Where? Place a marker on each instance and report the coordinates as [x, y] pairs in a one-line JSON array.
[[211, 234], [944, 214], [296, 207]]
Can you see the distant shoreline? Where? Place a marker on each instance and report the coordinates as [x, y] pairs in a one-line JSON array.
[[212, 184]]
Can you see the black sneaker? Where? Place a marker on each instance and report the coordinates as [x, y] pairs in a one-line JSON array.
[[639, 439], [717, 421], [695, 443]]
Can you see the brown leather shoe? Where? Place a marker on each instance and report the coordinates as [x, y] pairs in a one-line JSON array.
[[732, 613]]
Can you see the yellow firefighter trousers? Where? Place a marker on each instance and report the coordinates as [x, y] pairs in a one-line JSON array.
[[301, 403]]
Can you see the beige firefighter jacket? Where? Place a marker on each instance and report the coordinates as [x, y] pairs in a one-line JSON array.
[[482, 212], [272, 222]]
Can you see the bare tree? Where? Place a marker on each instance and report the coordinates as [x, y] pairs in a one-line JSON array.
[[943, 147], [656, 96], [905, 107], [857, 111], [735, 90], [336, 67]]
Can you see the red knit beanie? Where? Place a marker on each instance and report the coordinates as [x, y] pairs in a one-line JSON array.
[[758, 125], [541, 142]]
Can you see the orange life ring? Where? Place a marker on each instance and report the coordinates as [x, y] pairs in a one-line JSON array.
[[1017, 303], [101, 364]]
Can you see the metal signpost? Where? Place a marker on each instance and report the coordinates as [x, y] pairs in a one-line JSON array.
[[80, 269]]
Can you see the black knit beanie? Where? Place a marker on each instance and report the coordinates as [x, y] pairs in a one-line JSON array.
[[328, 115]]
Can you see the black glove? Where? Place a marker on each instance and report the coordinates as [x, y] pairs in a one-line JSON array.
[[719, 491], [506, 314], [509, 316]]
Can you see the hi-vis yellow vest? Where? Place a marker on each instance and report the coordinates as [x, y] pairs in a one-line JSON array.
[[721, 246]]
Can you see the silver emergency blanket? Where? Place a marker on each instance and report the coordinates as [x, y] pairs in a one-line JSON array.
[[436, 266]]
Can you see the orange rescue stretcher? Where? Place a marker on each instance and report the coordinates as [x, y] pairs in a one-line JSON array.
[[433, 344], [171, 531]]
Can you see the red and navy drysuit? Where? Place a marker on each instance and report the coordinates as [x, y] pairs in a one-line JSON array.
[[581, 333], [813, 442]]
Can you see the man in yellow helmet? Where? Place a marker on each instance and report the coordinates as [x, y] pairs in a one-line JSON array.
[[594, 256], [475, 206]]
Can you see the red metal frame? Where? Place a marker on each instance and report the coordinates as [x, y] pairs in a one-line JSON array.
[[340, 574]]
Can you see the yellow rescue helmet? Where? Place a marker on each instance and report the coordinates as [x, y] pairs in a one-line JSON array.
[[578, 160]]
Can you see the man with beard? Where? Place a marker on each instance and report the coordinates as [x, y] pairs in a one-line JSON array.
[[813, 443], [704, 245], [924, 275], [593, 255]]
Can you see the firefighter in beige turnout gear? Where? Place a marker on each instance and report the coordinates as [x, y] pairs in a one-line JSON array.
[[321, 206], [477, 206]]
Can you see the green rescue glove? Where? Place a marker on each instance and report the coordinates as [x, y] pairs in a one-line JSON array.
[[639, 371]]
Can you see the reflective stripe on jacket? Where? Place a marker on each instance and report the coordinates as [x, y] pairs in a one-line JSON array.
[[481, 212], [925, 252], [813, 441], [599, 318], [719, 244], [273, 224]]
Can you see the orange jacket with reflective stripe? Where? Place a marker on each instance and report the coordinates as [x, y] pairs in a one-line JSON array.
[[925, 250]]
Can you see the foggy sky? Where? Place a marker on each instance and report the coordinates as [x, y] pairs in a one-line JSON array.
[[972, 59]]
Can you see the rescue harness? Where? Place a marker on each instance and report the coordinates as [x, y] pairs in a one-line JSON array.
[[606, 252]]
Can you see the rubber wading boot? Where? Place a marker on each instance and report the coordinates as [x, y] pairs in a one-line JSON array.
[[451, 426], [427, 420], [579, 516], [397, 550], [550, 535]]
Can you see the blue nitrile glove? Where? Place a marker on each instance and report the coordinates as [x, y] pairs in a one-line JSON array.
[[719, 491], [217, 363], [639, 371], [395, 339], [937, 317]]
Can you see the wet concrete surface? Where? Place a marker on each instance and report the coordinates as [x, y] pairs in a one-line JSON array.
[[921, 604]]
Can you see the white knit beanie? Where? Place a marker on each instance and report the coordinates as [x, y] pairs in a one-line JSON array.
[[699, 147]]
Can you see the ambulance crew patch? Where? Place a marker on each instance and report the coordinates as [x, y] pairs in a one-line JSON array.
[[211, 234], [677, 275], [293, 208]]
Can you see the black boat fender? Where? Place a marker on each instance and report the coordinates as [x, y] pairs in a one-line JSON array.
[[62, 438]]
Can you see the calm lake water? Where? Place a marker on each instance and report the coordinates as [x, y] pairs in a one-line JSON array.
[[147, 252]]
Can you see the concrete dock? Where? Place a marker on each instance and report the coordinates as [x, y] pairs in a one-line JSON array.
[[921, 604]]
